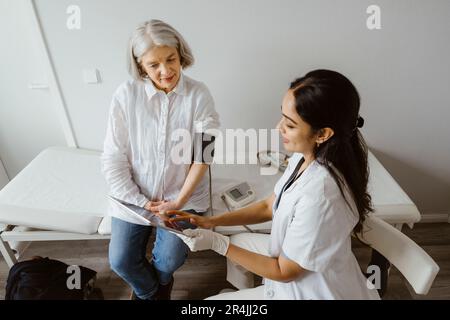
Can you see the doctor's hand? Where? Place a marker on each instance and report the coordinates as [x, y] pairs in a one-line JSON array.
[[203, 222], [203, 239]]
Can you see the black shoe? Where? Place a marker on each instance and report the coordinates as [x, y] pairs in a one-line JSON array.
[[164, 291]]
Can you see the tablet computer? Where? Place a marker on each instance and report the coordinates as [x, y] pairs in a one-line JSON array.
[[148, 218]]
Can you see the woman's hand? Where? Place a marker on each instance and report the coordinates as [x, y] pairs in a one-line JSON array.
[[203, 222], [164, 205], [150, 204]]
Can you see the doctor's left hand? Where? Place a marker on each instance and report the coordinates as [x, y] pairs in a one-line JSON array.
[[164, 205], [204, 239]]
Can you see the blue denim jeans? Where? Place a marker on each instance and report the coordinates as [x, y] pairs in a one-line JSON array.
[[127, 255]]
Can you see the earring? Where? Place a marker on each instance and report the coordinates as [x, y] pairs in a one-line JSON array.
[[318, 144]]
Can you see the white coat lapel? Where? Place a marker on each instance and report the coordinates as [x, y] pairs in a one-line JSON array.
[[306, 176]]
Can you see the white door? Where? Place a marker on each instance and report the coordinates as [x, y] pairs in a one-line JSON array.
[[28, 122]]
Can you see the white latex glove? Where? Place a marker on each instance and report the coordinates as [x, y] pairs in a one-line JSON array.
[[204, 239]]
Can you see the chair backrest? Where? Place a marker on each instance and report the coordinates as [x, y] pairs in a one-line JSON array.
[[412, 261]]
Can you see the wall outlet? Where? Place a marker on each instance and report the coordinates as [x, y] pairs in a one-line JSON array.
[[91, 76]]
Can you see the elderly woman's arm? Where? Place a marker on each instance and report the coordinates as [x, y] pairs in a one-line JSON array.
[[114, 160], [195, 174]]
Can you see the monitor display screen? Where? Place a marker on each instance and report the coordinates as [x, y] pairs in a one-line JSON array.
[[236, 193]]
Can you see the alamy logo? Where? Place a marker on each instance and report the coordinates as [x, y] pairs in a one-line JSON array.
[[374, 20], [74, 18], [374, 278], [74, 280]]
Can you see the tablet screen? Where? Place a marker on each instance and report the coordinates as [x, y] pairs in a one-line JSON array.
[[147, 217]]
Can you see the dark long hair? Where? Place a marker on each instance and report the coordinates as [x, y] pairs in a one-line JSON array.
[[327, 99]]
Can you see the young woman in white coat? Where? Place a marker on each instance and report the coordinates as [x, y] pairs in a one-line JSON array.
[[316, 206]]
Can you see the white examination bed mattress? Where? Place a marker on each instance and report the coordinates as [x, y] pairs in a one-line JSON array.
[[62, 189]]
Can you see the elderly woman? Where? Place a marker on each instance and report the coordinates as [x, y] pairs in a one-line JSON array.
[[136, 160]]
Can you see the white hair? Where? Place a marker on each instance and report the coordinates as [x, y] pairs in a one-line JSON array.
[[151, 34]]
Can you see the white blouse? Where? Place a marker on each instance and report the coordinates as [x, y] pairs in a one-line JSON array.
[[312, 226], [136, 159]]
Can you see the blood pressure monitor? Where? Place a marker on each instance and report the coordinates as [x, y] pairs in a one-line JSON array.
[[239, 195]]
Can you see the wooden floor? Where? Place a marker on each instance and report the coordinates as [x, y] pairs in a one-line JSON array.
[[203, 274]]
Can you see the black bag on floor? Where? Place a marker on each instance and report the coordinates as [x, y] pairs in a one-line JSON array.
[[47, 279]]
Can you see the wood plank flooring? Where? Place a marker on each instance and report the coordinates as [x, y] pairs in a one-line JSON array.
[[204, 273]]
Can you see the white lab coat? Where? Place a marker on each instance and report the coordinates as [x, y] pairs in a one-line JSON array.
[[137, 161], [312, 226]]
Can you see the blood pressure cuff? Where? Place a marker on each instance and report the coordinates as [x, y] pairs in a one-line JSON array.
[[203, 148]]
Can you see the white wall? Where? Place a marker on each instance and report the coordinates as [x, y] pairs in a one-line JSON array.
[[248, 51]]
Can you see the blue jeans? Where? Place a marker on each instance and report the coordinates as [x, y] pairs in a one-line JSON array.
[[127, 255]]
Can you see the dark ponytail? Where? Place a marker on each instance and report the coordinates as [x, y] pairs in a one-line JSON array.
[[327, 99]]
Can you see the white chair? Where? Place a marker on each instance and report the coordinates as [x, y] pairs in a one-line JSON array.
[[418, 268]]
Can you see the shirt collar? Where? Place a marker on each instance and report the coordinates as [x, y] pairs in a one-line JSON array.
[[151, 90], [181, 86]]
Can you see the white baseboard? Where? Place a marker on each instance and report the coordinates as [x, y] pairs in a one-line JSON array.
[[435, 218]]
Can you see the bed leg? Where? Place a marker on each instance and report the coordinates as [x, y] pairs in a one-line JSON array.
[[7, 252]]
